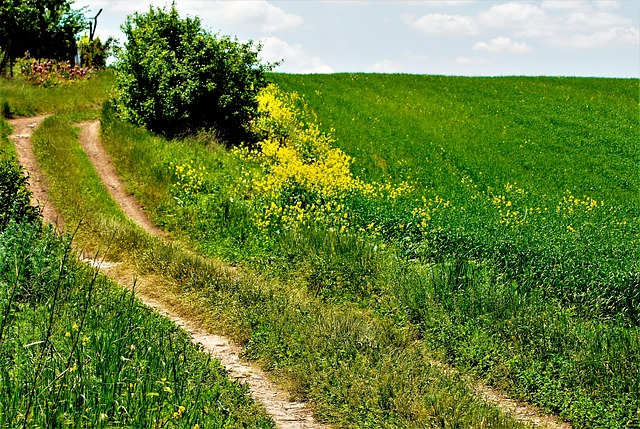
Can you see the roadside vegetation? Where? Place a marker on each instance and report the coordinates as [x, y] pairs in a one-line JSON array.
[[39, 29], [358, 369], [383, 224], [532, 287], [79, 351]]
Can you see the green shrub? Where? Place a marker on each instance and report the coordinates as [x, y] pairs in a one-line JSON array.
[[94, 52], [175, 78], [14, 196]]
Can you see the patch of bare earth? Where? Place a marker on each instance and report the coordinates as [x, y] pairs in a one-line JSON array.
[[286, 414], [21, 138], [521, 411]]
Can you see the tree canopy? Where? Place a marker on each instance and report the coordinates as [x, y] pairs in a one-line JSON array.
[[43, 28], [176, 78]]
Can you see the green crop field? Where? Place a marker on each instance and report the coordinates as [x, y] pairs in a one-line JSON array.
[[499, 216], [547, 134], [544, 176], [545, 169], [384, 222]]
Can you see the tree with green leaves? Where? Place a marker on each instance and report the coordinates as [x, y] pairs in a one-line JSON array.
[[94, 52], [175, 78], [43, 28]]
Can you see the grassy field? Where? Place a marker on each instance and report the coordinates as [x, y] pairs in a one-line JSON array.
[[498, 217], [543, 176], [356, 367], [546, 168], [77, 350], [80, 101], [491, 223]]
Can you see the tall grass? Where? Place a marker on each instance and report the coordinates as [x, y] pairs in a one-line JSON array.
[[78, 351], [357, 368], [82, 99], [524, 301]]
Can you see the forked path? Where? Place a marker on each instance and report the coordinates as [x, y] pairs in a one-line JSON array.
[[286, 414]]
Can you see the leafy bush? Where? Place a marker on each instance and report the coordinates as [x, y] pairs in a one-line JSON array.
[[175, 78], [94, 52], [14, 196]]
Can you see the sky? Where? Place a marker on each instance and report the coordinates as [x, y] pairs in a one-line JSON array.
[[598, 38]]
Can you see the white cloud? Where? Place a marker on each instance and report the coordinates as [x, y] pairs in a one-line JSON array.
[[607, 4], [613, 37], [502, 44], [594, 19], [570, 23], [437, 23], [257, 13], [432, 3], [564, 4], [387, 66], [471, 61], [123, 6], [513, 15], [296, 59]]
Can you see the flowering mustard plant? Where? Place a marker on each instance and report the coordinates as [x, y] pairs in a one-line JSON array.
[[188, 182], [303, 179]]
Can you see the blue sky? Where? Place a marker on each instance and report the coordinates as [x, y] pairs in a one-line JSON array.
[[451, 37]]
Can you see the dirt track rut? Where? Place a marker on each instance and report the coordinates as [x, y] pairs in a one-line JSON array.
[[21, 137], [286, 414]]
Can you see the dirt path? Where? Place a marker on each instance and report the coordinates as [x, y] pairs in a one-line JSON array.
[[21, 138], [286, 414], [90, 141]]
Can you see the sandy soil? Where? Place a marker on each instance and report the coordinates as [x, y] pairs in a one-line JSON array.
[[286, 414]]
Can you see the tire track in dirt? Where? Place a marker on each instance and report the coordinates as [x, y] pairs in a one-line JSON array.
[[286, 414], [21, 138], [90, 141]]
